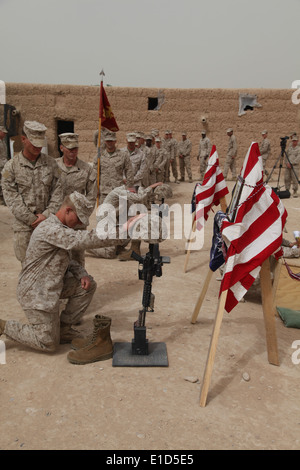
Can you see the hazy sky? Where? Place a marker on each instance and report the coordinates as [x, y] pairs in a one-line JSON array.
[[151, 43]]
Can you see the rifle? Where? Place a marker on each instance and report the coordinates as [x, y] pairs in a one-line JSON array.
[[150, 265]]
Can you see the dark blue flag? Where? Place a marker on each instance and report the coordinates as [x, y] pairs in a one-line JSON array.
[[217, 248]]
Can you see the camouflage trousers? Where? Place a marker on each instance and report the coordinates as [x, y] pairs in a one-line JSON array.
[[21, 241], [230, 164], [173, 165], [185, 164], [264, 161], [42, 331], [290, 178], [203, 166], [159, 177], [167, 171], [152, 177]]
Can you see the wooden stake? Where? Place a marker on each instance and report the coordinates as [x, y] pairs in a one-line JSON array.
[[212, 349], [269, 312], [201, 296], [189, 242], [223, 204]]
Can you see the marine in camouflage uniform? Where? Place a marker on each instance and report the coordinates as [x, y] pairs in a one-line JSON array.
[[160, 158], [291, 173], [76, 175], [115, 167], [184, 155], [230, 161], [49, 274], [265, 150], [115, 198], [203, 153], [150, 150], [173, 156], [3, 156], [141, 145], [138, 160], [31, 186], [166, 143]]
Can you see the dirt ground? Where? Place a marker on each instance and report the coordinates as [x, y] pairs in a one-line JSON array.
[[48, 403]]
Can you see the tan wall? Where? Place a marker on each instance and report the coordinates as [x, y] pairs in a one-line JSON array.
[[183, 109]]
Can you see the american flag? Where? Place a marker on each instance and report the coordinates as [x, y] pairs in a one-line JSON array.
[[212, 189], [256, 232]]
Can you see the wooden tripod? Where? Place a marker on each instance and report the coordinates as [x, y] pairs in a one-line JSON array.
[[269, 320]]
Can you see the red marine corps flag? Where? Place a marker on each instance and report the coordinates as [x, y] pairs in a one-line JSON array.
[[106, 120], [106, 115], [254, 234]]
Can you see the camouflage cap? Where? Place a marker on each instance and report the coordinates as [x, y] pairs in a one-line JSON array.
[[229, 130], [163, 191], [69, 140], [3, 129], [295, 137], [264, 132], [82, 206], [157, 139], [110, 136], [131, 137], [35, 133]]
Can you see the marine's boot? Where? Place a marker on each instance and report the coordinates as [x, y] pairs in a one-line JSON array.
[[99, 348], [68, 334], [2, 326], [79, 343], [135, 246]]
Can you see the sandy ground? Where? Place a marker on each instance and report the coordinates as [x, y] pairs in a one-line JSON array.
[[48, 403]]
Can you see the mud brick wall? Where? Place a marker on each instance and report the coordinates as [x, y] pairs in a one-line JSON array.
[[181, 110]]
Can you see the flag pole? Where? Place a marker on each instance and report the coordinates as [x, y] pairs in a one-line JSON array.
[[212, 349], [201, 296], [102, 74], [188, 251]]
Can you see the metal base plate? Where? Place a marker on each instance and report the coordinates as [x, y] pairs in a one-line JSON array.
[[156, 357]]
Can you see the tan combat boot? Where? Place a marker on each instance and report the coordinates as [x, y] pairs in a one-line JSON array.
[[79, 343], [135, 246], [2, 326], [99, 347]]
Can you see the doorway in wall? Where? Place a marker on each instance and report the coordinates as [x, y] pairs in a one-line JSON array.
[[61, 128]]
